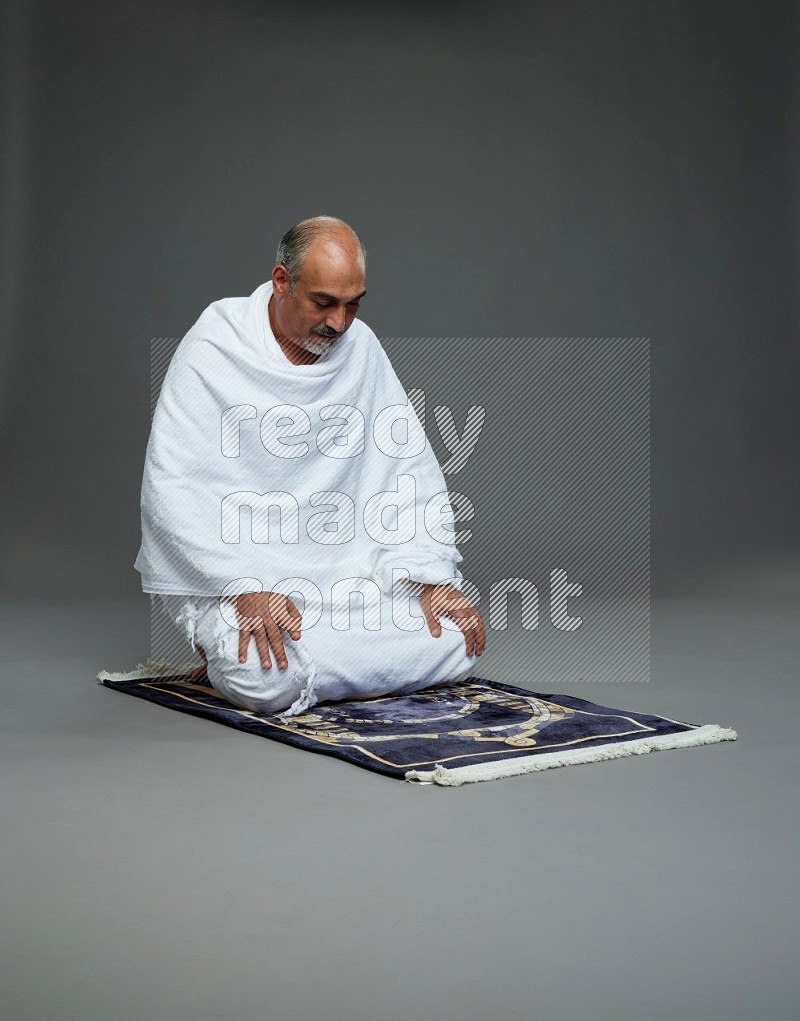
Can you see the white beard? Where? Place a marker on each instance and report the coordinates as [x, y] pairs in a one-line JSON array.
[[322, 348]]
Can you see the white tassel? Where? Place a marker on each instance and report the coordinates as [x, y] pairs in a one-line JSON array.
[[152, 668], [709, 734]]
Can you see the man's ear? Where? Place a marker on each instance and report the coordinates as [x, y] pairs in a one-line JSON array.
[[280, 281]]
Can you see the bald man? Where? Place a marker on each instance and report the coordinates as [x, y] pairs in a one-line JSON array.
[[295, 356]]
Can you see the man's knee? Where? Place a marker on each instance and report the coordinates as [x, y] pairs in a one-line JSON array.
[[251, 685], [244, 685]]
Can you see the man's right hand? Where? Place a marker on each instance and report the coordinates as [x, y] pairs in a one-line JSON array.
[[263, 614]]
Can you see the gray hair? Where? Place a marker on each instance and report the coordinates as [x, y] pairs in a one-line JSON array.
[[297, 240]]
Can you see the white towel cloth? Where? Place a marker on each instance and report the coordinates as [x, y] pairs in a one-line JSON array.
[[363, 502], [325, 664]]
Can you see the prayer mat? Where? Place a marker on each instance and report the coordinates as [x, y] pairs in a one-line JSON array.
[[449, 734]]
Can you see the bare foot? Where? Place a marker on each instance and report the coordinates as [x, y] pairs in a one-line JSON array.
[[200, 672]]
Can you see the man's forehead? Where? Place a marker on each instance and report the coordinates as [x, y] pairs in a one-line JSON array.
[[325, 295], [338, 280]]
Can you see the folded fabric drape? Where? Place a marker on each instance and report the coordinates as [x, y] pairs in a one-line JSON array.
[[260, 472], [312, 480]]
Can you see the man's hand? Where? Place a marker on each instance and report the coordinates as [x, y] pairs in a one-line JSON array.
[[263, 614], [444, 599]]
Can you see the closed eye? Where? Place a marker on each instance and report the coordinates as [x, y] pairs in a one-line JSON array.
[[326, 304]]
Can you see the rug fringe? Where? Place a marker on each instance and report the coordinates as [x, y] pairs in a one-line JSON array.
[[152, 668], [498, 770]]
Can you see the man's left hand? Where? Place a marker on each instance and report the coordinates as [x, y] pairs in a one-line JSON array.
[[438, 600]]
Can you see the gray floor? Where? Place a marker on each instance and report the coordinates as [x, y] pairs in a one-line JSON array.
[[161, 866]]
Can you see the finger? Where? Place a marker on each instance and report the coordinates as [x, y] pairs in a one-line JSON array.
[[263, 647], [280, 614], [295, 620], [481, 635], [276, 641], [469, 635], [433, 624], [244, 641], [440, 597], [289, 618], [468, 624]]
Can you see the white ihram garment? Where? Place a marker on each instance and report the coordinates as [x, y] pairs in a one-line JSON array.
[[220, 441], [325, 664]]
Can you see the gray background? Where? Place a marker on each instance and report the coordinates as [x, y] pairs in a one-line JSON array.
[[515, 170], [518, 170]]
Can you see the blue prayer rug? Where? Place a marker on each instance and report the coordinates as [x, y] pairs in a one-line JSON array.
[[449, 734]]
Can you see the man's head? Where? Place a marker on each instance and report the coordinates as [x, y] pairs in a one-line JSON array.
[[318, 283]]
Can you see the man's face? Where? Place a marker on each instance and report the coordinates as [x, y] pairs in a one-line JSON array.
[[326, 299]]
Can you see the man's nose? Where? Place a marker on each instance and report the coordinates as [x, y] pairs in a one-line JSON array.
[[336, 320]]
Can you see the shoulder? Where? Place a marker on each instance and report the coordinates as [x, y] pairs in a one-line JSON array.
[[214, 324], [220, 313]]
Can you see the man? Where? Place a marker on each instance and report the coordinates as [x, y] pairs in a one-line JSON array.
[[295, 356]]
